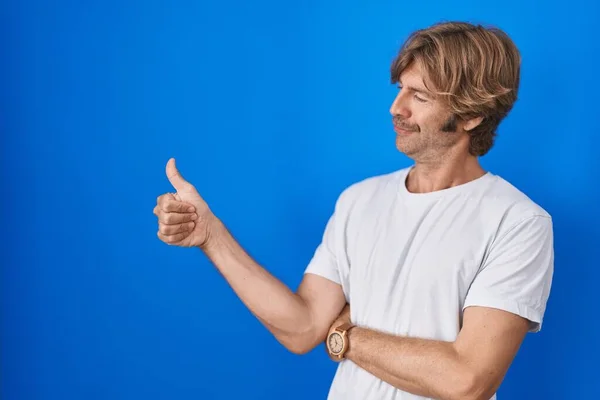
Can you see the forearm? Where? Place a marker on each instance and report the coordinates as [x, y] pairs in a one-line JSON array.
[[282, 311], [396, 381], [423, 367]]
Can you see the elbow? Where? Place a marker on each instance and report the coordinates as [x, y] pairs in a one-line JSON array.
[[302, 338], [472, 386], [298, 348], [299, 343]]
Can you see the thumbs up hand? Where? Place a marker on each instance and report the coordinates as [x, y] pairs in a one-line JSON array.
[[184, 218]]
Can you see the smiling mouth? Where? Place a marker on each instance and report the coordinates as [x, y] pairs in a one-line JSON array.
[[402, 131]]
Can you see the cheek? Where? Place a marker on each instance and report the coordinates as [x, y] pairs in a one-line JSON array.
[[429, 118], [423, 118]]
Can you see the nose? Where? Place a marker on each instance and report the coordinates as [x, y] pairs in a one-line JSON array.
[[400, 106]]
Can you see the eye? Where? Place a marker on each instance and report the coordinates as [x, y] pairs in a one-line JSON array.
[[419, 99]]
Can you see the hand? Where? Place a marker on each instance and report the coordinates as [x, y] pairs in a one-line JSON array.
[[184, 218], [343, 318]]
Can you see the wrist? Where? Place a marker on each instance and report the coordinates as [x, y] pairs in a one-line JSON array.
[[215, 233], [353, 336], [338, 341], [337, 323]]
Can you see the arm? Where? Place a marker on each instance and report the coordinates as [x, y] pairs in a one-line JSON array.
[[472, 367], [298, 320], [506, 300]]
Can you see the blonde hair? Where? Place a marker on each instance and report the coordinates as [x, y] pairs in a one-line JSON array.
[[473, 69]]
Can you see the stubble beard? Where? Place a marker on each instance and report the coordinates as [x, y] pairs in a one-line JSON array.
[[426, 146]]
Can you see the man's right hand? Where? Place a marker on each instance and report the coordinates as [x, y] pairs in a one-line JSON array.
[[184, 218]]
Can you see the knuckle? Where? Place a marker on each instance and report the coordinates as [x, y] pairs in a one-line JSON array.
[[175, 206], [167, 204], [169, 218], [163, 237]]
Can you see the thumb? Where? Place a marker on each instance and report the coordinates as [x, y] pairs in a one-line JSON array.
[[175, 177]]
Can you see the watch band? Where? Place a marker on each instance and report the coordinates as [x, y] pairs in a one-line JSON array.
[[344, 328]]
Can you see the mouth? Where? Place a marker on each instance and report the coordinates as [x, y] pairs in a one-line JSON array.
[[401, 131]]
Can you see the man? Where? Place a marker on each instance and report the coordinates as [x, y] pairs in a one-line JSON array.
[[428, 278]]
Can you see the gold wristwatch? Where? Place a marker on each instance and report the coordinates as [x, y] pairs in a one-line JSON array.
[[337, 341]]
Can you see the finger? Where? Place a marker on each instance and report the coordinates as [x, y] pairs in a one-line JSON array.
[[172, 239], [172, 205], [175, 229], [164, 197], [175, 177], [176, 218]]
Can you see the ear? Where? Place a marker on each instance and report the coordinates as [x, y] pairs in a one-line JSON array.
[[472, 123]]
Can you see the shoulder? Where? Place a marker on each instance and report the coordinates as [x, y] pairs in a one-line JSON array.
[[514, 207], [514, 199]]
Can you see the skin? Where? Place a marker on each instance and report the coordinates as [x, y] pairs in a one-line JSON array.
[[298, 320], [471, 367], [422, 123]]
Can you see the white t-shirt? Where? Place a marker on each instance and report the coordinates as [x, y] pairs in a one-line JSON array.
[[409, 263]]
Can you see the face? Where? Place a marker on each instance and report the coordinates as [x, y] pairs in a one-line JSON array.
[[425, 130], [335, 343]]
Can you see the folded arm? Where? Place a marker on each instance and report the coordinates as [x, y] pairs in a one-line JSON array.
[[470, 368], [506, 300]]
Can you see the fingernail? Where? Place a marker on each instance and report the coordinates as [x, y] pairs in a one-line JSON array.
[[191, 209], [194, 216]]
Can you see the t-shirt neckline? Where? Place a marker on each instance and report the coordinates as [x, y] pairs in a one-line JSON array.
[[462, 188]]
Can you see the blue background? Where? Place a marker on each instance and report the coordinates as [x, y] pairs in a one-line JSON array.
[[271, 109]]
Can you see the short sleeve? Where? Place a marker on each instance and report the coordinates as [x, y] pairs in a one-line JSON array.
[[517, 274], [323, 262]]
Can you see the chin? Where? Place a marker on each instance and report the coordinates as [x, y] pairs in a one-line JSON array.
[[404, 147], [410, 153]]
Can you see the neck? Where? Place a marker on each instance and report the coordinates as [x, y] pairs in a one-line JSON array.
[[432, 176]]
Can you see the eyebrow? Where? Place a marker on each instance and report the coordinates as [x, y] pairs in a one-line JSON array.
[[414, 89], [417, 89]]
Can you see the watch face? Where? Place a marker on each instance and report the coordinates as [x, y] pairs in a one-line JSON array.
[[336, 344]]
